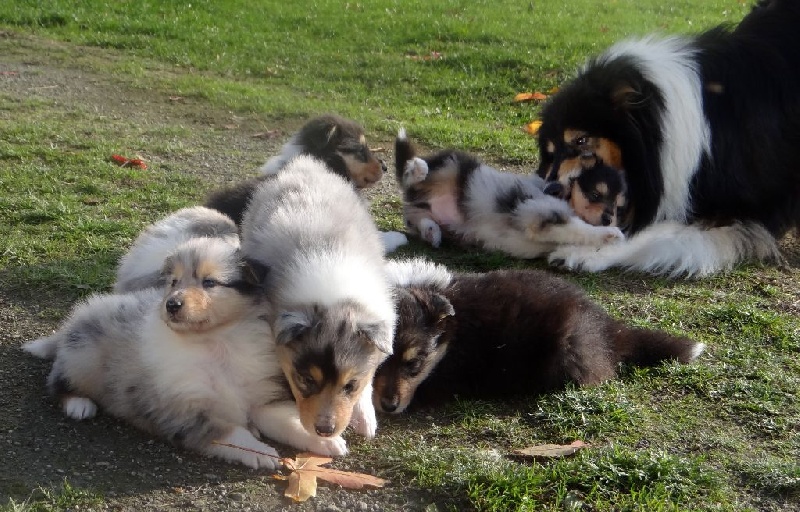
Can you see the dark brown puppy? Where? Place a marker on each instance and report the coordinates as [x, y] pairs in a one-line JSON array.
[[506, 333]]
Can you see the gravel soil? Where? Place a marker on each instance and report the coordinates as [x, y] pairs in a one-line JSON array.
[[131, 471]]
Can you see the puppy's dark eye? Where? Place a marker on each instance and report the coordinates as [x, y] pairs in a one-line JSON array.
[[581, 141], [413, 367], [210, 283], [594, 196], [305, 381], [350, 387]]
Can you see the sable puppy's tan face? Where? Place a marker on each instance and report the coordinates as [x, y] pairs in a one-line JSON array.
[[364, 168], [597, 194]]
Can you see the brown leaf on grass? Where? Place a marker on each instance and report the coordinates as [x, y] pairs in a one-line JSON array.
[[551, 451], [269, 134], [306, 468], [530, 96], [434, 55]]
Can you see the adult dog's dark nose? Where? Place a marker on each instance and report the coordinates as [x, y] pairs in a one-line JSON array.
[[173, 305], [554, 188], [389, 404]]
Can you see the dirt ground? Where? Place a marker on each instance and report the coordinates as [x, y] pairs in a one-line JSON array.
[[129, 469]]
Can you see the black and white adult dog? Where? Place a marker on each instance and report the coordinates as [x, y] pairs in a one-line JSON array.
[[707, 131]]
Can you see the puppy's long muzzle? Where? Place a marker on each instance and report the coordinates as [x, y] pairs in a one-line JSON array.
[[390, 404]]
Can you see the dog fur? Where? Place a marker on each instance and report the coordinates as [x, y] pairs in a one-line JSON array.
[[140, 268], [193, 364], [452, 194], [706, 131], [504, 333], [333, 310], [338, 142]]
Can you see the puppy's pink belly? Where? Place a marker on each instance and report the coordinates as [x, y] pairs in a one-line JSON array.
[[445, 212]]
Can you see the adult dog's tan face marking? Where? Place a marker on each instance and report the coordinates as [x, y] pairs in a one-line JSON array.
[[566, 155]]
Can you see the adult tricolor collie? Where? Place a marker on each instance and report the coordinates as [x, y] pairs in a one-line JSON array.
[[707, 131]]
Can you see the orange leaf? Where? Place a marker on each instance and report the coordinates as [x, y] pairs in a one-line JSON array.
[[533, 127], [530, 96], [550, 451]]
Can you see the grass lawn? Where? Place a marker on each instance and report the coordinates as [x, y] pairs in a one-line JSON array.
[[184, 82]]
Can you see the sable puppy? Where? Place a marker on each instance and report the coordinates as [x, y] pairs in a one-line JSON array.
[[192, 364], [504, 333], [452, 194], [141, 266], [333, 310], [705, 129], [338, 142]]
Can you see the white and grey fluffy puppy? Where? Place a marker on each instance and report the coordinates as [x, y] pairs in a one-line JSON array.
[[334, 314], [141, 266], [193, 364], [452, 193]]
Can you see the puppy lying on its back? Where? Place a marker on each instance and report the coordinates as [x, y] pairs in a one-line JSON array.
[[334, 314], [194, 363], [504, 333], [452, 193]]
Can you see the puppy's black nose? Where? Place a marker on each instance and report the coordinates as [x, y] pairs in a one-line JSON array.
[[554, 188], [389, 404], [173, 305], [606, 219], [324, 429], [384, 168]]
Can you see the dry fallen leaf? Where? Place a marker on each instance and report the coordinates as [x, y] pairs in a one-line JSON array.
[[307, 467], [533, 127], [530, 96], [550, 451]]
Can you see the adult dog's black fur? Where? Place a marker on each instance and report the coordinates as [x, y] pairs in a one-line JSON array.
[[707, 130], [505, 333]]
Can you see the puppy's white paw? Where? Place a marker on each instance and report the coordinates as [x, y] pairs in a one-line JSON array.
[[392, 240], [363, 419], [416, 171], [578, 257], [613, 235], [430, 232], [79, 408], [251, 452], [328, 446]]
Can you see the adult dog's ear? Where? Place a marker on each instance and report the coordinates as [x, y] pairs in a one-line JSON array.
[[291, 325], [627, 97]]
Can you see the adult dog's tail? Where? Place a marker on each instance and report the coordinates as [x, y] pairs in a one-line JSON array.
[[403, 153], [647, 347], [675, 249]]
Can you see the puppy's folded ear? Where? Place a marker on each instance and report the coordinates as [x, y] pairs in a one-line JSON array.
[[168, 266], [254, 272], [441, 308], [378, 334], [291, 325]]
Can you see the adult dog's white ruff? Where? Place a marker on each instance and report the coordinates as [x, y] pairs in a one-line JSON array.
[[669, 63]]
